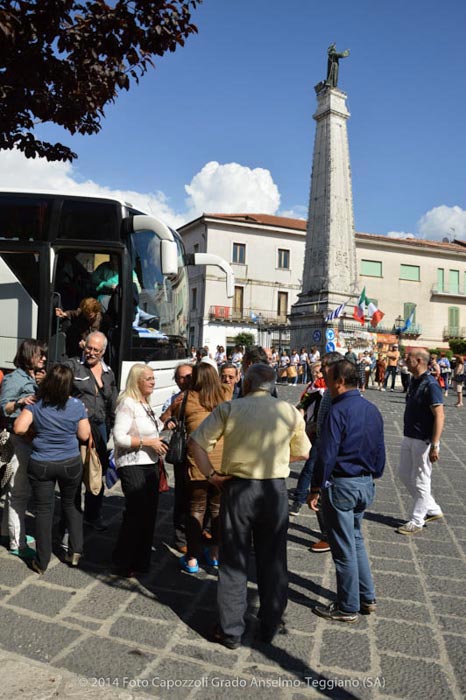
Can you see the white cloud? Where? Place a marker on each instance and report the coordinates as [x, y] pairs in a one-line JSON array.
[[229, 188], [443, 221], [400, 234], [297, 212], [232, 188]]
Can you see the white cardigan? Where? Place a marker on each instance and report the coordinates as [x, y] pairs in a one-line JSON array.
[[132, 420]]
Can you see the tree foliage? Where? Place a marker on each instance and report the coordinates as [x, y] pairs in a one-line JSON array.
[[458, 346], [63, 61], [244, 338]]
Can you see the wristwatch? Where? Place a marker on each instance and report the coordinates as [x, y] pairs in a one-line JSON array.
[[434, 445], [212, 473]]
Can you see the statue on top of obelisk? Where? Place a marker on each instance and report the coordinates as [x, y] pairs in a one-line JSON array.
[[332, 64]]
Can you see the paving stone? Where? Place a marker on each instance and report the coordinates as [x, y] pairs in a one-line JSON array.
[[42, 599], [397, 565], [456, 648], [400, 610], [434, 547], [390, 550], [149, 633], [13, 570], [414, 678], [346, 649], [70, 577], [407, 639], [449, 605], [164, 606], [453, 624], [446, 566], [400, 587], [104, 600], [32, 638], [85, 624], [437, 584], [291, 652], [106, 658]]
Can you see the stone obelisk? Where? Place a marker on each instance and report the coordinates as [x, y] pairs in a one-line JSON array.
[[330, 272]]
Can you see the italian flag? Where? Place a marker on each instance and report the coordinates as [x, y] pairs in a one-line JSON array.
[[375, 314], [360, 310]]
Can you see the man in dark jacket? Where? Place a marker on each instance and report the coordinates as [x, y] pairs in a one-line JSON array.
[[351, 455], [94, 383]]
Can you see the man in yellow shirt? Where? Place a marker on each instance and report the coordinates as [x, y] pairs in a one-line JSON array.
[[261, 436], [393, 356]]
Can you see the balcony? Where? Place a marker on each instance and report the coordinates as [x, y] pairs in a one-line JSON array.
[[245, 316], [446, 290], [348, 325], [454, 332]]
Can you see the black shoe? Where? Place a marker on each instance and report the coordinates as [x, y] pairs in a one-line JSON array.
[[98, 524], [267, 633], [295, 508], [226, 640], [35, 567]]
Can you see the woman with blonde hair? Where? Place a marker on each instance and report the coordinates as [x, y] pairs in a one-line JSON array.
[[205, 394], [138, 446]]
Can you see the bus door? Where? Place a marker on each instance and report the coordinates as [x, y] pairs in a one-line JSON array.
[[24, 295], [90, 290]]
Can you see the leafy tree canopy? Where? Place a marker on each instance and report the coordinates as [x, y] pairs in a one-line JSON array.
[[244, 339], [63, 61]]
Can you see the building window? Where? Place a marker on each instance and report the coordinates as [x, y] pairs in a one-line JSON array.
[[193, 299], [454, 281], [407, 309], [371, 268], [238, 301], [440, 279], [283, 259], [282, 306], [239, 253], [453, 321], [410, 272]]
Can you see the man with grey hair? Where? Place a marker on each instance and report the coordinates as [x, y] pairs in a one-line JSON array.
[[94, 384], [261, 436], [423, 424]]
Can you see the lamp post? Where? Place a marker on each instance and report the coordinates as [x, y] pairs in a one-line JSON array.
[[399, 323]]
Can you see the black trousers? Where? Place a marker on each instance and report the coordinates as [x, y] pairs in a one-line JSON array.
[[43, 477], [140, 484], [257, 510], [181, 503], [93, 503]]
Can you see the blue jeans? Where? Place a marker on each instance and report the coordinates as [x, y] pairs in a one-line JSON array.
[[304, 482], [344, 503]]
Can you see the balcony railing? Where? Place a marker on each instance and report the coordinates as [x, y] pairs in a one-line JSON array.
[[454, 332], [261, 318], [350, 325], [447, 290]]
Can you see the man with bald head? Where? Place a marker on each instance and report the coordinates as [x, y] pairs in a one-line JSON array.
[[423, 424]]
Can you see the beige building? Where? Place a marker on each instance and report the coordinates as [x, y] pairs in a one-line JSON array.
[[267, 256]]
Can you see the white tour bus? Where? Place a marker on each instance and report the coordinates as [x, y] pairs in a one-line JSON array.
[[58, 249]]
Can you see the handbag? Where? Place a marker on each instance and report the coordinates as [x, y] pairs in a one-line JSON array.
[[7, 466], [178, 449], [292, 372], [92, 467], [163, 477]]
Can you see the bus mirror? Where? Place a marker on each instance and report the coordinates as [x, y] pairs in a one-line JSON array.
[[169, 257], [211, 259]]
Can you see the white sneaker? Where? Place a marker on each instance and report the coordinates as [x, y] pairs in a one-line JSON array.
[[409, 528], [382, 389]]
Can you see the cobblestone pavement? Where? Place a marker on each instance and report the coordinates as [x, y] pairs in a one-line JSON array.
[[84, 633]]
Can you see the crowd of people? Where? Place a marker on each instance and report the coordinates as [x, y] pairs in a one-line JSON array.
[[230, 489]]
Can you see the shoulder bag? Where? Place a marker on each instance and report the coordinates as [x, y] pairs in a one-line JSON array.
[[92, 467], [177, 449]]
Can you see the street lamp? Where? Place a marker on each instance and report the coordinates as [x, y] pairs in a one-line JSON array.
[[398, 325]]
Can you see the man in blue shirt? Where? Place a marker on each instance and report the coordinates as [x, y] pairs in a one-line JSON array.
[[351, 455], [423, 424]]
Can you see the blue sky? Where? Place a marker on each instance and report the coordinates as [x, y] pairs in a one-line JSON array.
[[240, 95]]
